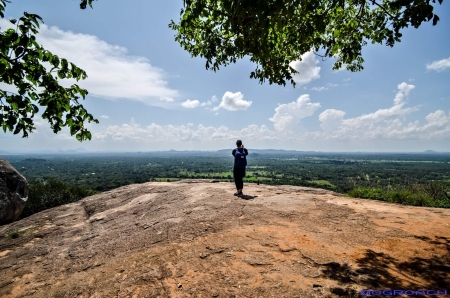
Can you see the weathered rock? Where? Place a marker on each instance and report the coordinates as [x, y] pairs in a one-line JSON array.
[[13, 192], [193, 238]]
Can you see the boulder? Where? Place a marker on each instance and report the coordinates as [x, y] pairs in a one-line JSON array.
[[13, 192]]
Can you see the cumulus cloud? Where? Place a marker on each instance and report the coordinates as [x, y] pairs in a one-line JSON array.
[[287, 116], [190, 104], [439, 65], [382, 122], [437, 118], [404, 91], [396, 110], [154, 133], [233, 102], [112, 72], [331, 119], [307, 68], [437, 127], [389, 133]]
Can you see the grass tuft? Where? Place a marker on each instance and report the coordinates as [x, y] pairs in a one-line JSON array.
[[14, 234]]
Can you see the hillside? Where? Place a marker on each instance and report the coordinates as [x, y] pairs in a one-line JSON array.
[[193, 238]]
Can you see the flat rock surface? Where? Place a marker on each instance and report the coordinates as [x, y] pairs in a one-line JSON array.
[[193, 238]]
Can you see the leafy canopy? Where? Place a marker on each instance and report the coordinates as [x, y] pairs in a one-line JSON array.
[[35, 73], [275, 33]]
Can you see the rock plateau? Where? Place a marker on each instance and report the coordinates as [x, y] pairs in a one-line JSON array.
[[193, 238]]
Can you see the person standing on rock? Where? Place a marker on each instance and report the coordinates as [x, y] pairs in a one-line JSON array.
[[240, 162]]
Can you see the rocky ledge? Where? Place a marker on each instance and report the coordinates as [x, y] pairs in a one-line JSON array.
[[193, 238]]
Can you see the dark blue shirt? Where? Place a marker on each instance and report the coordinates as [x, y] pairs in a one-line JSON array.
[[234, 151]]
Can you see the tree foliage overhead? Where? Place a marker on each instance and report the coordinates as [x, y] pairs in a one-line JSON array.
[[275, 33], [35, 73]]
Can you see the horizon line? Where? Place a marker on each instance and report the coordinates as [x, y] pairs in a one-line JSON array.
[[84, 151]]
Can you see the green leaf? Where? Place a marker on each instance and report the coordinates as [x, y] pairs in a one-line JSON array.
[[435, 20]]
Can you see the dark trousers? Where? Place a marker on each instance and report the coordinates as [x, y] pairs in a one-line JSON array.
[[238, 174]]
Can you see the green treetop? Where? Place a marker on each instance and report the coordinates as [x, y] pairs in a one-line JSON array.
[[273, 33]]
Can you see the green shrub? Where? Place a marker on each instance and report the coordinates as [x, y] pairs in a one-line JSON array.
[[52, 193], [430, 194]]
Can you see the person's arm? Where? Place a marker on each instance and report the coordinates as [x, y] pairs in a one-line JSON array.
[[233, 152], [246, 151]]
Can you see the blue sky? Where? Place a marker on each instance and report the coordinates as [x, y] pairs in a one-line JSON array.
[[149, 94]]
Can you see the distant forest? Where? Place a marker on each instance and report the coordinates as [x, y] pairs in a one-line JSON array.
[[337, 171], [340, 172]]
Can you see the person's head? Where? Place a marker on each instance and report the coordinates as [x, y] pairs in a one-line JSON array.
[[239, 143]]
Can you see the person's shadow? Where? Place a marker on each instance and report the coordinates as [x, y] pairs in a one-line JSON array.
[[247, 197]]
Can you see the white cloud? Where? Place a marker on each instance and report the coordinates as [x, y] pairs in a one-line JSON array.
[[332, 85], [233, 102], [381, 123], [390, 134], [112, 73], [335, 129], [154, 133], [287, 116], [214, 98], [190, 104], [437, 118], [307, 68], [346, 80], [331, 119], [367, 120], [104, 116], [404, 91], [439, 65], [208, 103], [319, 88]]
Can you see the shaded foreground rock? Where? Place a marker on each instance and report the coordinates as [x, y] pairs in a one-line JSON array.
[[195, 239], [13, 192]]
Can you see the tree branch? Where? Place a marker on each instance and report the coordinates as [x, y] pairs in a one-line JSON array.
[[382, 7], [324, 57]]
